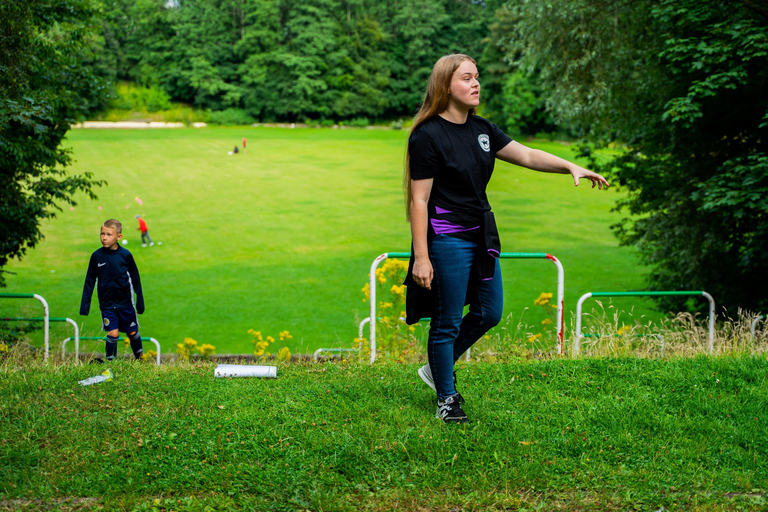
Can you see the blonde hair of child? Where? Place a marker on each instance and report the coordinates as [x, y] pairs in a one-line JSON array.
[[114, 224]]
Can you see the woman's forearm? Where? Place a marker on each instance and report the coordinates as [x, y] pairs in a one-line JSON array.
[[419, 228]]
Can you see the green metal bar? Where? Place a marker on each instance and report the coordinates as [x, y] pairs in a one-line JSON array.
[[398, 255], [18, 295], [529, 255], [640, 294]]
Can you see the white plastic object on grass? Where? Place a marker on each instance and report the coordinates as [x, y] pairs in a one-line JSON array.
[[106, 376], [244, 370], [125, 242]]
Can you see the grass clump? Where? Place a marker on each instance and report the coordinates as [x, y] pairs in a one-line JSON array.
[[600, 434]]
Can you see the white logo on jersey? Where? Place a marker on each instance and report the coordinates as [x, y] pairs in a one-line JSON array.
[[485, 142], [101, 264], [106, 322]]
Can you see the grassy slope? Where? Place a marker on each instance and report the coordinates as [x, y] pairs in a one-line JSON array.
[[282, 238], [604, 434]]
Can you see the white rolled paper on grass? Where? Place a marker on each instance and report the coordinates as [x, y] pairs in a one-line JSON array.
[[245, 370]]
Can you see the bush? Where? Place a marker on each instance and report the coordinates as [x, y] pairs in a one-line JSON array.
[[140, 99], [360, 122], [232, 117]]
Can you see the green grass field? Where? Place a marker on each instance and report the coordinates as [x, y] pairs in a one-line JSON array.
[[281, 238], [622, 434]]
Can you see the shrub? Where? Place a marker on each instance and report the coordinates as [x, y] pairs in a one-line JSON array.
[[360, 122], [232, 117]]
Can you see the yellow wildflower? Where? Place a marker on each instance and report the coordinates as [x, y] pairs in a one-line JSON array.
[[533, 338], [546, 321], [623, 329], [366, 291], [284, 354], [398, 290]]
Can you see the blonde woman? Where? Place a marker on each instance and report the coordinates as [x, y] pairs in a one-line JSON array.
[[450, 159]]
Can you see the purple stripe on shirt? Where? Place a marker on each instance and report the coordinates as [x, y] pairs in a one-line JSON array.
[[444, 227], [493, 252], [441, 210]]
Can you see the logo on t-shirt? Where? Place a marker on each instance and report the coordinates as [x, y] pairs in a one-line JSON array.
[[485, 142]]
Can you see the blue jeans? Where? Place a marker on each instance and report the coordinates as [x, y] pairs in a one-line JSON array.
[[450, 335]]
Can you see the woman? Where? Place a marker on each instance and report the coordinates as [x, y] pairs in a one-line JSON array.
[[450, 159]]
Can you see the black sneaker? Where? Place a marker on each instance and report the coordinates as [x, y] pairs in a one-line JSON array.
[[450, 411], [426, 375]]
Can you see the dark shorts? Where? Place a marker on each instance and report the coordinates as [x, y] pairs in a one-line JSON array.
[[123, 320]]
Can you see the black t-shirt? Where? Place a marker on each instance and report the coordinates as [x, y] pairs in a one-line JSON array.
[[460, 158]]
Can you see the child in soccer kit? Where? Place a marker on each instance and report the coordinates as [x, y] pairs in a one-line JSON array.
[[115, 270]]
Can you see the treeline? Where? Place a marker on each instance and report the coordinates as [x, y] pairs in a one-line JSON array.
[[284, 60]]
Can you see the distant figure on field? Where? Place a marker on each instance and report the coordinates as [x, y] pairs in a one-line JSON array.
[[236, 150], [115, 270], [144, 232], [245, 151]]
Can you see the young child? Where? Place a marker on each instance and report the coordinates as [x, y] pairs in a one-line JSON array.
[[144, 232], [118, 278]]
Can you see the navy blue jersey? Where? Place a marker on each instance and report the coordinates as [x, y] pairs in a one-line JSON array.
[[118, 280]]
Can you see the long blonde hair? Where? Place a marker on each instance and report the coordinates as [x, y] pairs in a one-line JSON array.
[[435, 102]]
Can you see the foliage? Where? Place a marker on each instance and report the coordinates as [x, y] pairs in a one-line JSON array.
[[44, 88], [189, 346], [683, 90], [261, 345], [284, 61], [231, 116], [553, 434], [140, 99]]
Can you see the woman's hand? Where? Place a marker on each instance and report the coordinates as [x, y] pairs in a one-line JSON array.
[[580, 172], [422, 272]]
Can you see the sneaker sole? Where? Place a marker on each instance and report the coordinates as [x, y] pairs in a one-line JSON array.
[[463, 419], [429, 382]]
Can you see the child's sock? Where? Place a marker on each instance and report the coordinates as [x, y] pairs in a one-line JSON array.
[[112, 347], [136, 345]]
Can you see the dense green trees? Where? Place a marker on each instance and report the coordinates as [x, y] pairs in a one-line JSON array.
[[44, 88], [282, 60], [682, 88]]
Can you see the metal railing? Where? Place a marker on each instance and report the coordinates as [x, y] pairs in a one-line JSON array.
[[46, 314], [503, 255]]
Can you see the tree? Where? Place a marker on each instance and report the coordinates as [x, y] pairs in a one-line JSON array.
[[44, 89], [682, 87]]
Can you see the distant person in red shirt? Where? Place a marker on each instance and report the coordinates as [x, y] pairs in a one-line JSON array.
[[144, 232], [244, 150]]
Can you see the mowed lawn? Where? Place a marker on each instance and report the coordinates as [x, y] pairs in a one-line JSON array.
[[282, 238]]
